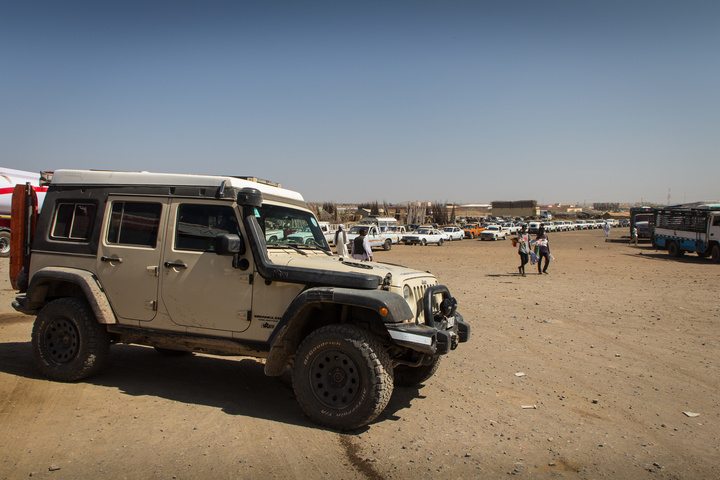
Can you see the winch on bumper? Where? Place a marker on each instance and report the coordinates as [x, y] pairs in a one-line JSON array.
[[442, 331]]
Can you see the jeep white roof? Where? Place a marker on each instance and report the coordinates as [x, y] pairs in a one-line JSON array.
[[101, 177]]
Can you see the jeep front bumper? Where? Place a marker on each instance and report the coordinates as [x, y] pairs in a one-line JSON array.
[[442, 331], [431, 340]]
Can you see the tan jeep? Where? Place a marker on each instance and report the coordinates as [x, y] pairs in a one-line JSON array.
[[186, 263]]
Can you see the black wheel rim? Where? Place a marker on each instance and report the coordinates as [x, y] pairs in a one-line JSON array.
[[335, 379], [61, 340]]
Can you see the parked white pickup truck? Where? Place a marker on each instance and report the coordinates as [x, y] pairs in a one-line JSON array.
[[376, 238], [329, 230]]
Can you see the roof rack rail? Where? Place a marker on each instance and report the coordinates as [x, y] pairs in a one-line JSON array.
[[260, 180]]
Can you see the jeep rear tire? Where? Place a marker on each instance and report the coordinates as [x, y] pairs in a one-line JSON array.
[[68, 342], [342, 376], [407, 376]]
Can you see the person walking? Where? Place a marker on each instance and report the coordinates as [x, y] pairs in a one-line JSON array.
[[361, 247], [634, 235], [543, 250], [523, 241], [606, 228], [341, 241]]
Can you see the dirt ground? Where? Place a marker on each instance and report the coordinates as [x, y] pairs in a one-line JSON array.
[[612, 350]]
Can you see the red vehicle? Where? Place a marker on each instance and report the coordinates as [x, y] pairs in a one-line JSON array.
[[8, 179]]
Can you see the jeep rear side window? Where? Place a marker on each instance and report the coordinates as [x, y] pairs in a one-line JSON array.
[[134, 223], [73, 221], [198, 225]]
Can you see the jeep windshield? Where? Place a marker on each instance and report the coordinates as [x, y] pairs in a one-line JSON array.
[[290, 227]]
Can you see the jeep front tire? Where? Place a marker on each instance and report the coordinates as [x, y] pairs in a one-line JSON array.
[[342, 376], [68, 342]]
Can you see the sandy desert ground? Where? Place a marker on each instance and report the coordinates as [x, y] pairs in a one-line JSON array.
[[613, 349]]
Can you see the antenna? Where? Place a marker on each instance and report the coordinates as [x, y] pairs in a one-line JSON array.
[[668, 201]]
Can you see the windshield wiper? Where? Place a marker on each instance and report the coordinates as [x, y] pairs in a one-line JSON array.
[[275, 245], [316, 247]]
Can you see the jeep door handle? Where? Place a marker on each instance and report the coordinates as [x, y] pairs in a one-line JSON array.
[[111, 259], [175, 265]]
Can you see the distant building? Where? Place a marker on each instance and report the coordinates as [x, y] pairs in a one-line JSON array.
[[472, 210], [361, 213], [519, 208], [563, 209]]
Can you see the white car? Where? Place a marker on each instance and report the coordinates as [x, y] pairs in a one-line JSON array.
[[303, 237], [454, 233], [401, 232], [423, 236], [549, 226], [510, 227], [493, 232]]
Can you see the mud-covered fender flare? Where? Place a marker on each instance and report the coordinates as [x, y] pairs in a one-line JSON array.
[[46, 278], [389, 307]]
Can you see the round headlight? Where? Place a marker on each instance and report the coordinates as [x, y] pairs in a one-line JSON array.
[[407, 293]]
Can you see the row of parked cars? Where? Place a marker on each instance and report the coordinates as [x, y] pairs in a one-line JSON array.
[[488, 231], [501, 230], [432, 234], [425, 234], [567, 225]]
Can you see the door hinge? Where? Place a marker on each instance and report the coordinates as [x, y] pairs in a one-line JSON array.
[[153, 270], [151, 305], [244, 315]]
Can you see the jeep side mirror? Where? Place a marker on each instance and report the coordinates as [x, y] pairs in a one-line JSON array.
[[229, 244]]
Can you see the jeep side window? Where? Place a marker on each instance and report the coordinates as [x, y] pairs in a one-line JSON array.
[[198, 225], [73, 221], [134, 223]]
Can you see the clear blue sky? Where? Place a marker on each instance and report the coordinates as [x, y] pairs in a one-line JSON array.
[[354, 101]]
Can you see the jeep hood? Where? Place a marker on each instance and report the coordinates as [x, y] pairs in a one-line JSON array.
[[321, 261]]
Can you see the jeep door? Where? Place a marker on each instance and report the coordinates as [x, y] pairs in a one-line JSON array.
[[129, 256], [199, 288]]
